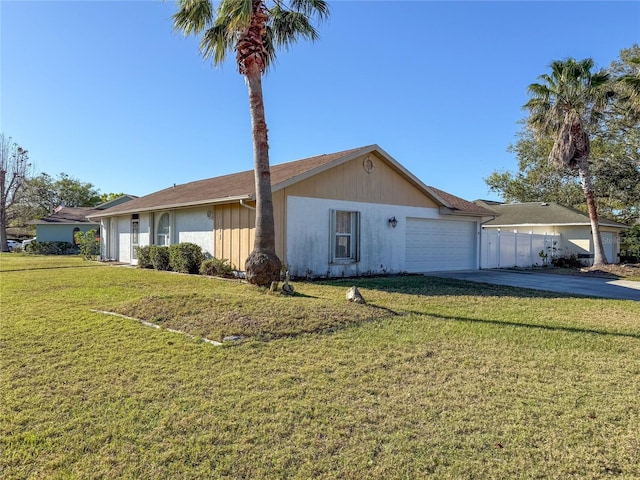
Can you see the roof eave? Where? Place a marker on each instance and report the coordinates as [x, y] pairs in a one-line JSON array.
[[214, 201], [463, 213]]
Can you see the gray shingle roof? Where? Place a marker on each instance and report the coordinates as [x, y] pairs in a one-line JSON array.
[[541, 213], [68, 215], [236, 186]]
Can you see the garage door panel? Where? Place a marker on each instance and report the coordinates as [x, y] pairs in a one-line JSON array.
[[434, 245]]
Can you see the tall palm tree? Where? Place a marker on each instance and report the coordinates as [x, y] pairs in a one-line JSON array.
[[253, 29], [564, 105]]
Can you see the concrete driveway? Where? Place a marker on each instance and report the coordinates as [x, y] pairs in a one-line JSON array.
[[592, 286]]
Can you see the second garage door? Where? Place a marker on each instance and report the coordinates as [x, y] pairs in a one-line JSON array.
[[440, 245]]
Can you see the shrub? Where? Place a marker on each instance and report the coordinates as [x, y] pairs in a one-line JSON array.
[[185, 257], [216, 268], [569, 260], [88, 244], [159, 257], [144, 257], [51, 248]]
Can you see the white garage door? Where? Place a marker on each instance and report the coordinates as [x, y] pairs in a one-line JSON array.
[[439, 245]]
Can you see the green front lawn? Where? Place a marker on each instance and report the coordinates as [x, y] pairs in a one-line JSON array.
[[433, 378]]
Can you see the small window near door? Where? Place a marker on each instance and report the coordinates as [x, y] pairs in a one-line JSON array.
[[345, 227], [162, 236], [135, 238], [75, 240]]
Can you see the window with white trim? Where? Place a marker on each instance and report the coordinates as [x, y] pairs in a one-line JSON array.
[[163, 230], [345, 232]]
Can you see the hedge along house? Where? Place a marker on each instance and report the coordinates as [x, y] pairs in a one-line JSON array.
[[521, 231], [344, 214]]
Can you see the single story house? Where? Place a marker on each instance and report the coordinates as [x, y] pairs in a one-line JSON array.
[[526, 234], [349, 213], [64, 222]]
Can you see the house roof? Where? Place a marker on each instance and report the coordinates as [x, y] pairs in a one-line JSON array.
[[68, 215], [241, 186], [540, 213]]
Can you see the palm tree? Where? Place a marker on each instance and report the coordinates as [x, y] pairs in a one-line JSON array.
[[564, 105], [253, 29]]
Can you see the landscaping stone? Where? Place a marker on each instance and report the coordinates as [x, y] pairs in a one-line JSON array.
[[353, 295]]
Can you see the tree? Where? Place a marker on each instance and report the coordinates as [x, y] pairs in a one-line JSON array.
[[627, 71], [565, 105], [14, 167], [43, 194], [253, 29], [614, 158], [107, 197]]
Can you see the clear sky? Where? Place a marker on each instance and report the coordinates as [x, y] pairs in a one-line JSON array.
[[107, 92]]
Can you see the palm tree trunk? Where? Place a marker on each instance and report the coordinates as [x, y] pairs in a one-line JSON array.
[[599, 257], [263, 266], [265, 230]]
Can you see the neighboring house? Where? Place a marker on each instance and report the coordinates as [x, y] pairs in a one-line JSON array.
[[344, 214], [521, 231], [62, 225]]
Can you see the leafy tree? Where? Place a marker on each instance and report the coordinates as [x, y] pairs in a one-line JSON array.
[[614, 159], [253, 29], [14, 168], [107, 197], [45, 193], [565, 108]]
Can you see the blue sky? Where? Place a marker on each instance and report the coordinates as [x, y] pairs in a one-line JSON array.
[[107, 92]]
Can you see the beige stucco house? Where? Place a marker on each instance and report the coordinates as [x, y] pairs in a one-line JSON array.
[[343, 214]]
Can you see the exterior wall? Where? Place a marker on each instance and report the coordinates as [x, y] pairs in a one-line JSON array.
[[234, 233], [194, 225], [124, 239], [190, 225], [382, 248], [61, 232], [352, 182]]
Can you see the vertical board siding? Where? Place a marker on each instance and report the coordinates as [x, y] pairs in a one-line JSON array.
[[234, 233], [351, 182]]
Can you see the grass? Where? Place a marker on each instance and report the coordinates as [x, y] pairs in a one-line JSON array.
[[434, 378]]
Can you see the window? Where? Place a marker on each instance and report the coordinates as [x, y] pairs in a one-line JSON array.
[[75, 240], [163, 230], [135, 238], [345, 229]]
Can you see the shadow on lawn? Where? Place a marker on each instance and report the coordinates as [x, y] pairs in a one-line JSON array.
[[50, 268], [556, 328], [437, 286]]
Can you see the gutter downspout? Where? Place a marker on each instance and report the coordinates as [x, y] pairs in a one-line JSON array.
[[247, 206]]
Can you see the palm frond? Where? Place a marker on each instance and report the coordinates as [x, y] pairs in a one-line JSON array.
[[287, 26], [216, 42], [193, 16]]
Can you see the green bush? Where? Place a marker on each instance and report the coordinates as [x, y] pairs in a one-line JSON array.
[[159, 257], [88, 244], [144, 257], [569, 260], [216, 268], [185, 257], [51, 248]]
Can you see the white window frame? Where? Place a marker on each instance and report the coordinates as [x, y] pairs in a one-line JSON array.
[[352, 237], [163, 238]]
